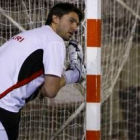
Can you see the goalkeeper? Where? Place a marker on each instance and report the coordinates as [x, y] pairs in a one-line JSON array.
[[33, 61]]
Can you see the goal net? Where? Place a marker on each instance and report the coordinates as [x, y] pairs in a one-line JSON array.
[[120, 70], [61, 118]]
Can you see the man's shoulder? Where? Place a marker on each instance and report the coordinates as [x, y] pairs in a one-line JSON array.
[[44, 33], [53, 36]]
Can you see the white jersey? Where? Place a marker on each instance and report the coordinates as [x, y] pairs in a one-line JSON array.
[[24, 60]]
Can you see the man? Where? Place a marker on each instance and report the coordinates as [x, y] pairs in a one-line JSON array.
[[33, 60]]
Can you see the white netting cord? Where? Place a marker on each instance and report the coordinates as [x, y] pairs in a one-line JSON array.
[[119, 61], [120, 66], [11, 19]]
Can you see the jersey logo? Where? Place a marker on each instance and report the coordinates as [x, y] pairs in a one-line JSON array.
[[18, 38]]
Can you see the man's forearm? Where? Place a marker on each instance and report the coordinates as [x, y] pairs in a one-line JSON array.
[[62, 82]]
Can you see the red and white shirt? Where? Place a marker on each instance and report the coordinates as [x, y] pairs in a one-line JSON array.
[[24, 60]]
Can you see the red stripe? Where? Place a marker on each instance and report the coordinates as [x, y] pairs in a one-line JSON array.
[[93, 88], [93, 135], [93, 32], [21, 83]]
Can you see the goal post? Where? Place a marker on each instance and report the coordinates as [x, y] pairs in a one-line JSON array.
[[93, 69]]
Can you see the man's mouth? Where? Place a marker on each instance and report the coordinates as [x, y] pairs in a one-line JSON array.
[[71, 33]]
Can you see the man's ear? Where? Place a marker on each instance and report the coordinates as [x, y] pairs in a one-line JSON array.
[[55, 19]]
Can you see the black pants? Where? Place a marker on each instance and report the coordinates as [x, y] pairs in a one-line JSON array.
[[10, 121]]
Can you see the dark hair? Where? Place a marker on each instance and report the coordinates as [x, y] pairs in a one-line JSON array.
[[62, 9]]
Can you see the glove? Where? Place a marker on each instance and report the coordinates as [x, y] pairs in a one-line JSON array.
[[71, 76], [75, 56], [75, 53]]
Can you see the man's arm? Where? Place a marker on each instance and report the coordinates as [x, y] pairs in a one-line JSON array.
[[52, 85], [75, 74]]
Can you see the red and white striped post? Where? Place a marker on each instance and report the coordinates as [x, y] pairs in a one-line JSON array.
[[93, 69]]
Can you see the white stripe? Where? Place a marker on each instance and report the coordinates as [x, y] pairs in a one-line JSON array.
[[93, 116], [1, 126], [3, 134], [93, 60], [93, 9]]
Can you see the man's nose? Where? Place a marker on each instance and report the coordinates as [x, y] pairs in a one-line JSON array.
[[74, 26]]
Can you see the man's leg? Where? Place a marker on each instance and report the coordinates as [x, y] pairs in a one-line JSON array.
[[10, 122]]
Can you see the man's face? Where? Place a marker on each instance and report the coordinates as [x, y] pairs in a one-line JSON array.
[[67, 25]]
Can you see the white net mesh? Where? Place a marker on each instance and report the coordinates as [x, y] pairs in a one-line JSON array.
[[120, 70], [41, 119]]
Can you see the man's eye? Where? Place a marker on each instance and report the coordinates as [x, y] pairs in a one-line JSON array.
[[71, 21]]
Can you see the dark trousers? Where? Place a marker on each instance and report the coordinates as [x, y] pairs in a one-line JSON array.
[[10, 121]]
